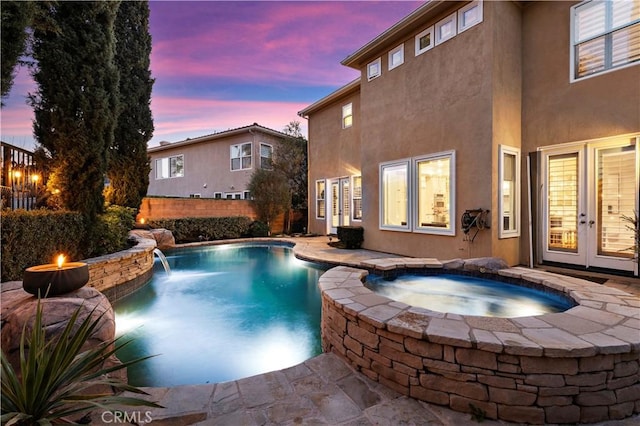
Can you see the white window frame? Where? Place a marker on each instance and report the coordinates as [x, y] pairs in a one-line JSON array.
[[431, 33], [451, 230], [377, 70], [168, 161], [241, 157], [462, 24], [451, 19], [607, 33], [508, 233], [217, 195], [407, 226], [321, 198], [246, 195], [233, 195], [262, 165], [347, 115], [354, 198], [392, 54]]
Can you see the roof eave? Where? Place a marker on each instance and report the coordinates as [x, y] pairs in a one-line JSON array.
[[348, 88], [355, 59]]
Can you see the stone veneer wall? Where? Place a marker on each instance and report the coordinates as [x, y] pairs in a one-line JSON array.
[[581, 365], [119, 274]]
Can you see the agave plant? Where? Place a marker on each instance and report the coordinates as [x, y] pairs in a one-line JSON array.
[[57, 376]]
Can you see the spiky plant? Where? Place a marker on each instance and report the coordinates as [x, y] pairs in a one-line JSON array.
[[634, 226], [58, 377]]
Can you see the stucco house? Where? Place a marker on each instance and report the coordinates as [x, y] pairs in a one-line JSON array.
[[215, 166], [496, 128]]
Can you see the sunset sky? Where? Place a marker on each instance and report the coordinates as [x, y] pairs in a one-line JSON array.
[[220, 65]]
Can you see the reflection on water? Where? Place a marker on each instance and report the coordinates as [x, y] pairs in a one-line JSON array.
[[468, 295], [225, 313]]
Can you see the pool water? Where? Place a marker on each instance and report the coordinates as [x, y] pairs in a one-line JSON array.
[[467, 295], [224, 313]]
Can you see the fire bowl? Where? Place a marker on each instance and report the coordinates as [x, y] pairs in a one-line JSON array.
[[51, 280]]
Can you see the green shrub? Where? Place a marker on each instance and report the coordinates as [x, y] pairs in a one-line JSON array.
[[109, 234], [35, 237], [351, 236], [192, 229], [258, 229]]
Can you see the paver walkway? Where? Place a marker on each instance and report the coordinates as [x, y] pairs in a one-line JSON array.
[[321, 391]]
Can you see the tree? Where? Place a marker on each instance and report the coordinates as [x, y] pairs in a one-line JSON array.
[[290, 159], [76, 102], [128, 168], [16, 17], [270, 194]]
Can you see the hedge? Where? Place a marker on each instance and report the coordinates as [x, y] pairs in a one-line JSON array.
[[35, 237], [191, 229]]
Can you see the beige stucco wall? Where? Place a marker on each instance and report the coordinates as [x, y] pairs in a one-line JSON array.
[[208, 162], [437, 101], [556, 110], [335, 151]]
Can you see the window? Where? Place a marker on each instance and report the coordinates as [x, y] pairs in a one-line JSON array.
[[509, 191], [347, 116], [233, 195], [357, 198], [605, 35], [194, 195], [396, 57], [434, 193], [246, 195], [469, 15], [394, 195], [320, 199], [266, 156], [445, 29], [241, 156], [170, 167], [217, 195], [374, 69], [424, 41]]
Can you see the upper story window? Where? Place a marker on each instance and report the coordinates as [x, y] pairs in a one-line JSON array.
[[266, 156], [424, 41], [347, 115], [469, 15], [509, 201], [446, 29], [241, 156], [605, 35], [170, 167], [374, 69], [396, 57]]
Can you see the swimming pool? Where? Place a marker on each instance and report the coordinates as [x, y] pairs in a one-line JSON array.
[[224, 313], [468, 295]]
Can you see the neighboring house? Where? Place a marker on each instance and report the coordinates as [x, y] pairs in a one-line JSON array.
[[467, 106], [213, 166]]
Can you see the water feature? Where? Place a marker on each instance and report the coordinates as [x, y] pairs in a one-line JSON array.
[[226, 312], [163, 260], [468, 295]]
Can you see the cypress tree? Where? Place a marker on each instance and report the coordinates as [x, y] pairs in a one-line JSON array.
[[129, 168], [76, 102], [16, 16]]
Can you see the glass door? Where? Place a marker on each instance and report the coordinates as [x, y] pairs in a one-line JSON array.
[[335, 207], [564, 210], [590, 196], [615, 198]]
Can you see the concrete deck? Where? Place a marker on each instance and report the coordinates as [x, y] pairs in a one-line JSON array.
[[321, 391]]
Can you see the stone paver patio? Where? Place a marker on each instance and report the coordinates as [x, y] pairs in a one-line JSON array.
[[322, 390]]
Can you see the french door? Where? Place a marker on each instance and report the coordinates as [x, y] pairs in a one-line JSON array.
[[340, 203], [589, 197]]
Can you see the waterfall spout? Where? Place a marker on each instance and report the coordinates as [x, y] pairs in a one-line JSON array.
[[163, 260]]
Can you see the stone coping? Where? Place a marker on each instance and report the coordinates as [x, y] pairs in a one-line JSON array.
[[604, 321]]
